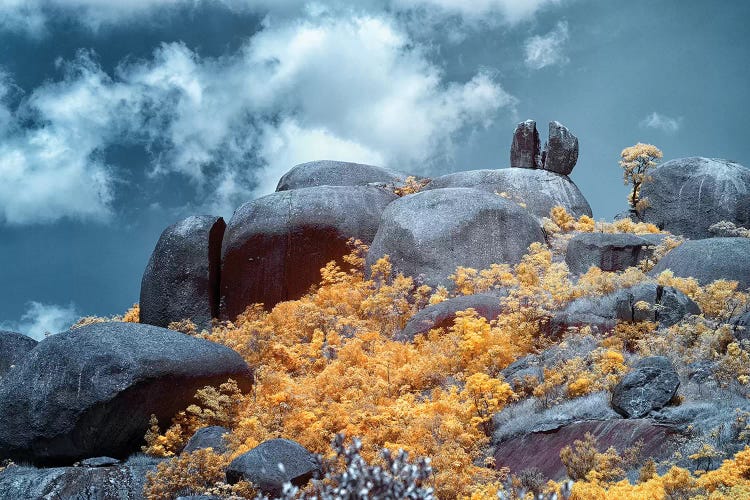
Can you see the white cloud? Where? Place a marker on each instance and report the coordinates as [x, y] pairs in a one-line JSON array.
[[41, 320], [355, 89], [32, 16], [547, 50], [666, 124]]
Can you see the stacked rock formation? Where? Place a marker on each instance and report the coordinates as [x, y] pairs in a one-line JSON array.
[[560, 152]]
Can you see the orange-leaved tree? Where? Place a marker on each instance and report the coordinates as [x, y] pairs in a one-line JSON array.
[[636, 162]]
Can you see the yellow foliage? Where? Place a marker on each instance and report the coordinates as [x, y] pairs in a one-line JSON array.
[[636, 162]]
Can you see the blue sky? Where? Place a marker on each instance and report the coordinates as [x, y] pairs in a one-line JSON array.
[[119, 118]]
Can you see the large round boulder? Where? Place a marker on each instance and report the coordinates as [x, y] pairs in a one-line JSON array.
[[651, 384], [686, 196], [608, 252], [90, 391], [710, 260], [275, 246], [429, 234], [272, 463], [181, 280], [336, 173], [13, 348], [442, 314], [537, 190]]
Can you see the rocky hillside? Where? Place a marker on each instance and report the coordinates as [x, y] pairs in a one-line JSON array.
[[481, 319]]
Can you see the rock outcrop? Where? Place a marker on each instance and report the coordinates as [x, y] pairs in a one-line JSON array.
[[275, 246], [13, 348], [651, 384], [90, 392], [271, 464], [79, 483], [687, 195], [430, 233], [442, 314], [667, 307], [709, 260], [609, 252], [537, 190], [181, 280], [337, 173]]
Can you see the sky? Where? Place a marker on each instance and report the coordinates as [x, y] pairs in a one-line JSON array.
[[120, 118]]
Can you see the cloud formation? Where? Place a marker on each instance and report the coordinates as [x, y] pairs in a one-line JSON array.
[[32, 16], [327, 87], [547, 50], [666, 124], [41, 320]]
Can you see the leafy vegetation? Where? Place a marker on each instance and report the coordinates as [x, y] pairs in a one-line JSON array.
[[327, 364]]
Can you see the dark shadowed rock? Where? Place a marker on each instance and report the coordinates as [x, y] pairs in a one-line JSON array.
[[609, 252], [208, 437], [561, 152], [538, 190], [90, 392], [525, 149], [709, 260], [430, 233], [337, 173], [275, 246], [272, 463], [78, 483], [741, 326], [688, 195], [542, 449], [667, 307], [13, 348], [441, 315], [528, 368], [651, 384], [181, 280]]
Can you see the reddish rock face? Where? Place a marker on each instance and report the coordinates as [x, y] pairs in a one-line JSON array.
[[542, 449]]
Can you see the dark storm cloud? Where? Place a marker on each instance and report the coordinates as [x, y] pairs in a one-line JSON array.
[[118, 118]]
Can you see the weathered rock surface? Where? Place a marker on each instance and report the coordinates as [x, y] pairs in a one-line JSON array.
[[525, 149], [651, 384], [208, 437], [271, 464], [688, 195], [275, 246], [561, 151], [99, 462], [181, 280], [79, 483], [430, 233], [441, 315], [668, 306], [709, 260], [609, 252], [90, 392], [538, 190], [542, 449], [13, 348], [336, 173]]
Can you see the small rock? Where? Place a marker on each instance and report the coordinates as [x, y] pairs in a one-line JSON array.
[[441, 315], [651, 384], [208, 437], [272, 463], [561, 152]]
